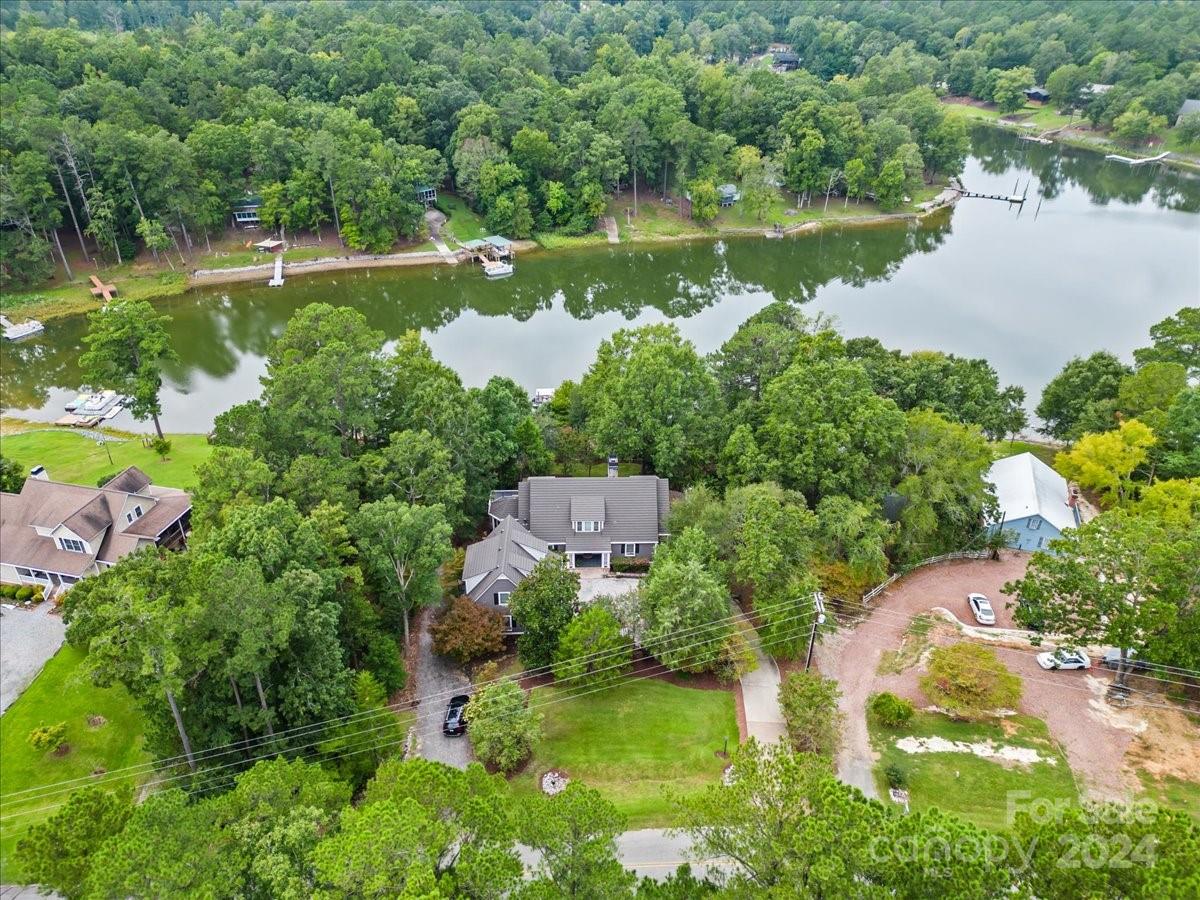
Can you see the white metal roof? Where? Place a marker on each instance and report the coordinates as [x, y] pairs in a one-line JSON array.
[[1026, 486]]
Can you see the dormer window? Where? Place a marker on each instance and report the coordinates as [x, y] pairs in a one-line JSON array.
[[133, 515], [71, 544], [586, 525]]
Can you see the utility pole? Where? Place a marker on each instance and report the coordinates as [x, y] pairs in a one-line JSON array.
[[819, 609]]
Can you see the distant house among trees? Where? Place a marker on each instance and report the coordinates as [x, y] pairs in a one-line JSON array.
[[728, 194], [1037, 94], [245, 212], [1036, 504], [426, 194], [1187, 108], [785, 61]]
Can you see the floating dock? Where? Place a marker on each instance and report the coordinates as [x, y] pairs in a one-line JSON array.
[[24, 329], [1128, 160], [277, 281]]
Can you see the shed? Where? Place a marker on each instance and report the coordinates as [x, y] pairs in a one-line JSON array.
[[427, 194], [245, 211], [728, 194], [1037, 94], [270, 245]]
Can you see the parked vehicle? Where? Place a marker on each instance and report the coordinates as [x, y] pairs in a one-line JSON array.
[[981, 609], [1112, 660], [456, 716], [1064, 659]]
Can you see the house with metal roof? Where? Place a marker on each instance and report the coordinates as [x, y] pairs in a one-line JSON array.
[[728, 194], [588, 520], [1186, 108], [53, 533], [1036, 505]]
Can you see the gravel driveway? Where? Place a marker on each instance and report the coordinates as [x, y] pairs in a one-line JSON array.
[[436, 680], [1067, 701], [28, 638]]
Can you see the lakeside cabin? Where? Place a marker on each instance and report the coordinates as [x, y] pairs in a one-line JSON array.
[[1037, 94], [728, 194], [245, 212], [426, 194]]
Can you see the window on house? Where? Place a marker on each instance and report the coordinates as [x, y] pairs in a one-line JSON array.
[[24, 573], [133, 514], [508, 623], [1040, 542], [502, 598], [1035, 523], [71, 544], [629, 549], [588, 525]]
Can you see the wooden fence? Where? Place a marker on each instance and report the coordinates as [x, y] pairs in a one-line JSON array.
[[945, 557]]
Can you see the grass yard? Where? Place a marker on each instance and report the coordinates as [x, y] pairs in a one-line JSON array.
[[76, 297], [634, 741], [62, 692], [461, 223], [1045, 117], [968, 785], [552, 241], [1173, 792], [1044, 452], [72, 457], [238, 258]]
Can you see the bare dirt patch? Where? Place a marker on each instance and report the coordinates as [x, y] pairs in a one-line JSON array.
[[1167, 747]]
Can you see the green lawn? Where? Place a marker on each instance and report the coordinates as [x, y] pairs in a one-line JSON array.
[[1045, 117], [552, 241], [964, 784], [61, 693], [237, 258], [461, 223], [634, 741], [1173, 792], [75, 296], [1044, 452], [72, 457]]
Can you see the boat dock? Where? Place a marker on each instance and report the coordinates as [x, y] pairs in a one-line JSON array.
[[1137, 162], [277, 281], [495, 254], [23, 329]]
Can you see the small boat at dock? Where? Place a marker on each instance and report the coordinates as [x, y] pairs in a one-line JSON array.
[[100, 404], [14, 332]]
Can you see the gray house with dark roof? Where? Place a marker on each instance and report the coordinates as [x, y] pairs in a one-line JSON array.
[[588, 520]]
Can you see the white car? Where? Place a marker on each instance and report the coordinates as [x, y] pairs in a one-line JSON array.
[[981, 609], [1064, 659]]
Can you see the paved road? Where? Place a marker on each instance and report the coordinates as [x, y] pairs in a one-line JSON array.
[[28, 638], [760, 696], [439, 676], [651, 852]]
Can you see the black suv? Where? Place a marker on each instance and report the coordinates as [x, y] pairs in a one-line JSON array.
[[456, 716]]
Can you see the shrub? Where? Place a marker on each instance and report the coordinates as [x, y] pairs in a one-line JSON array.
[[468, 631], [734, 659], [451, 572], [810, 711], [503, 728], [630, 564], [48, 737], [896, 777], [39, 594], [105, 478], [24, 593], [9, 591], [969, 681], [592, 650], [890, 710], [162, 446], [382, 659]]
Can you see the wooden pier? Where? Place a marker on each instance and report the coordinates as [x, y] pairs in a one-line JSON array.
[[1007, 198], [100, 289]]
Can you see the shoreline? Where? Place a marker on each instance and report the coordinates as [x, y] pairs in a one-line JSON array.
[[214, 277]]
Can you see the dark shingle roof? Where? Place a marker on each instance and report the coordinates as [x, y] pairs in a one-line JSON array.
[[132, 481], [508, 552], [634, 509]]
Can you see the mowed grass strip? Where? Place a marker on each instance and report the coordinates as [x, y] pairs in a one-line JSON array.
[[634, 742], [975, 788], [62, 692], [75, 458]]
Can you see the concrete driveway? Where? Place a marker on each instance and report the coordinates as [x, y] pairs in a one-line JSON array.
[[760, 697], [593, 586], [437, 679], [28, 638]]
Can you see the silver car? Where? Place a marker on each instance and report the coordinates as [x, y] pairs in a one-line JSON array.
[[981, 609], [1064, 659]]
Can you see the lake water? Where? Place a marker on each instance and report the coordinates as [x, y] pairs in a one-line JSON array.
[[1099, 253]]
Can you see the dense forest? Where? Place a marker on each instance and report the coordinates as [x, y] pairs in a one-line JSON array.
[[132, 124]]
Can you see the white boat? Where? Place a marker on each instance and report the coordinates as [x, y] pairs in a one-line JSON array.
[[494, 269], [101, 403], [23, 329]]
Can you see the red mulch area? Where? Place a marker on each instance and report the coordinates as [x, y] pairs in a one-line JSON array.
[[646, 666]]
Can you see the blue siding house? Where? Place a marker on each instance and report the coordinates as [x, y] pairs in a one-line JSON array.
[[1035, 502]]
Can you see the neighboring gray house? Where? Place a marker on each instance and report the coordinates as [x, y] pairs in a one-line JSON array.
[[1036, 503], [496, 565], [588, 520], [1186, 108]]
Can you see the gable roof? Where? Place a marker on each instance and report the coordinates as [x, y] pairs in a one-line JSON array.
[[1187, 107], [632, 508], [92, 513], [508, 552], [1026, 486], [133, 480]]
